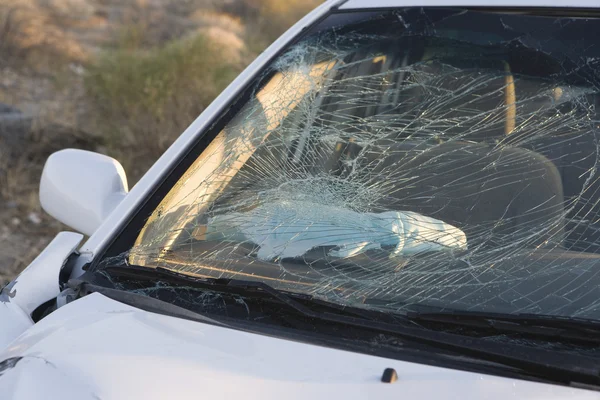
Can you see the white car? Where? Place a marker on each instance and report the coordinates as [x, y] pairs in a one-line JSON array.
[[398, 199]]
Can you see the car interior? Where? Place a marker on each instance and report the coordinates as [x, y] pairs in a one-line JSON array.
[[448, 132]]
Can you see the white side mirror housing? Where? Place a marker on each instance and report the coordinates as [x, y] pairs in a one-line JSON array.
[[81, 188]]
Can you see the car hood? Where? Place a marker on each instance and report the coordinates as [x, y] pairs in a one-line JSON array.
[[97, 348]]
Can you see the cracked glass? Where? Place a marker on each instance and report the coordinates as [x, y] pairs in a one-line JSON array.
[[403, 159]]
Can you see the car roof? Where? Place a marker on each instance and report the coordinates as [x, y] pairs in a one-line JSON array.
[[363, 4]]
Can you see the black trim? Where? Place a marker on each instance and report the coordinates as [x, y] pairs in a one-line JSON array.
[[146, 303], [402, 350], [583, 12], [271, 306], [43, 310]]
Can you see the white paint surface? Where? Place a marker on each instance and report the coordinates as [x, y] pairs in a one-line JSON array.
[[98, 348], [80, 188], [37, 284]]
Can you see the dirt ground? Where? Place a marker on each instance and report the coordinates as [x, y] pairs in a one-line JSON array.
[[72, 30], [46, 47]]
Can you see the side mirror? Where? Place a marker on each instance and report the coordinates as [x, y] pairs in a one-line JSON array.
[[80, 188]]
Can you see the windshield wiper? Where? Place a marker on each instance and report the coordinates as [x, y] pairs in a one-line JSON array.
[[545, 364], [538, 326]]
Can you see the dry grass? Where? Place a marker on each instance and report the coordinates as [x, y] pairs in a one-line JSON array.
[[142, 99], [32, 40], [124, 77], [24, 229]]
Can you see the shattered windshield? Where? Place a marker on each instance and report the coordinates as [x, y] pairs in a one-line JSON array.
[[415, 157]]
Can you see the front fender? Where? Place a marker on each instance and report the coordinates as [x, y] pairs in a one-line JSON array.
[[37, 284]]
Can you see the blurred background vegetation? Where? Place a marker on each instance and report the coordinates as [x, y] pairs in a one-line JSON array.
[[120, 77]]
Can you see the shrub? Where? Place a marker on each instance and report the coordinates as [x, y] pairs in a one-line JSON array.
[[144, 98]]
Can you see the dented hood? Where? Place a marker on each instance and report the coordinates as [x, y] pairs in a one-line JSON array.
[[97, 348]]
